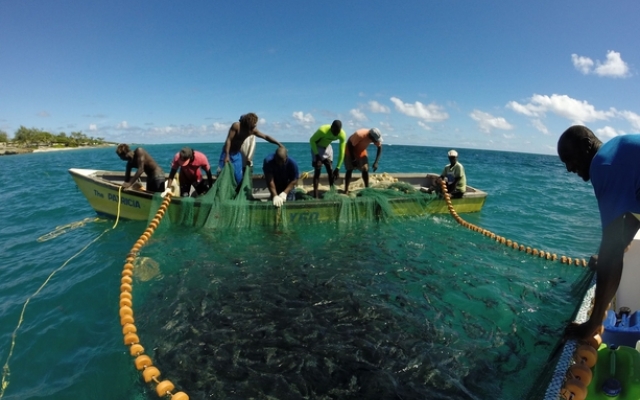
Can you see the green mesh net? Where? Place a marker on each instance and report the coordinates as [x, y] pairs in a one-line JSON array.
[[227, 206]]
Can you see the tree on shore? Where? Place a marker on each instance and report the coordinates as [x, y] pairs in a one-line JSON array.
[[35, 137], [3, 136]]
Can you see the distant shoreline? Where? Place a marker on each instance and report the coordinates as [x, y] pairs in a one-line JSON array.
[[14, 150]]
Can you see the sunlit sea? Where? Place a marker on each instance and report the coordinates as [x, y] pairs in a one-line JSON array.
[[417, 308]]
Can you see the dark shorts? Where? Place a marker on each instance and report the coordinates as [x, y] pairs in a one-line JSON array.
[[360, 162], [201, 187], [155, 185]]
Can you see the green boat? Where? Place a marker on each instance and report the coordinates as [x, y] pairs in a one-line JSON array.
[[103, 192]]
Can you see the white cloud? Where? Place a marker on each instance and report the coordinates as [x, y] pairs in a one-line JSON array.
[[262, 121], [613, 67], [376, 107], [579, 112], [582, 64], [93, 127], [358, 115], [122, 125], [425, 126], [219, 126], [427, 113], [487, 122], [633, 118], [539, 125], [302, 118], [607, 133]]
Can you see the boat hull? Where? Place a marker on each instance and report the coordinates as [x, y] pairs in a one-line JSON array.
[[102, 191]]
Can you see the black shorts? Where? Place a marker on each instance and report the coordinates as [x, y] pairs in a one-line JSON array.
[[201, 187], [155, 185]]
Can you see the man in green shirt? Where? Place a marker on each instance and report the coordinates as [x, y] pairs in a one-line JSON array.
[[322, 152], [454, 175]]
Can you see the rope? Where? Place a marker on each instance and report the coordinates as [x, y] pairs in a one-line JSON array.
[[306, 174], [5, 369], [143, 362], [66, 228], [6, 372], [558, 386], [118, 213], [508, 242]]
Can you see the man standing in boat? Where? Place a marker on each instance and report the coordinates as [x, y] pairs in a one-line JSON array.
[[189, 162], [615, 175], [322, 152], [140, 159], [356, 156], [281, 174], [232, 149], [453, 174]]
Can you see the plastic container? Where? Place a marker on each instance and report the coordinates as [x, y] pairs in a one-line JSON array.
[[622, 329], [616, 375]]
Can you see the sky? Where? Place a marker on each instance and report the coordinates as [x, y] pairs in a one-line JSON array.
[[498, 75]]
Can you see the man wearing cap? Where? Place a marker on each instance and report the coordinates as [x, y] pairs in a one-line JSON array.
[[281, 174], [322, 152], [232, 151], [453, 174], [189, 162], [140, 159], [356, 154]]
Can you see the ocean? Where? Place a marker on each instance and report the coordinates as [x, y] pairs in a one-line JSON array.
[[418, 308]]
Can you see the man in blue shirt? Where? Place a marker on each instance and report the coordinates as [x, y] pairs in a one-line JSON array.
[[281, 173], [614, 171]]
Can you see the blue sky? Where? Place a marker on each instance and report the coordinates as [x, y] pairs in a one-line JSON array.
[[501, 75]]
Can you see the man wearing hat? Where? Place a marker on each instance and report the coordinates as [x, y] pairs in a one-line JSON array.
[[189, 162], [356, 154], [453, 174]]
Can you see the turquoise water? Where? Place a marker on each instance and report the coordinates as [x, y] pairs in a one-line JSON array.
[[418, 308]]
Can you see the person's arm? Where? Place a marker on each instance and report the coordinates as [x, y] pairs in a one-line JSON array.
[[209, 176], [313, 141], [352, 152], [266, 137], [127, 176], [294, 174], [343, 145], [235, 127], [141, 160], [172, 175], [615, 238], [271, 184], [378, 154]]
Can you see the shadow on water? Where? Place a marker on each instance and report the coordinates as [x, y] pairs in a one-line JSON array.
[[389, 311]]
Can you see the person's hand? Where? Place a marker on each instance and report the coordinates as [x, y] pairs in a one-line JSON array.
[[318, 162], [277, 201], [375, 166], [336, 174], [581, 331], [227, 159], [283, 196]]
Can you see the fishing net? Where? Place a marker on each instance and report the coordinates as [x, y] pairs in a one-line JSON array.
[[398, 310], [226, 205]]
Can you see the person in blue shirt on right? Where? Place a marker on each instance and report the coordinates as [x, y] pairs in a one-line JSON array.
[[281, 174], [614, 171]]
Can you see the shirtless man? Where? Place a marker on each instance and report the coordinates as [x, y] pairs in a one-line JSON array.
[[140, 159], [238, 133]]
